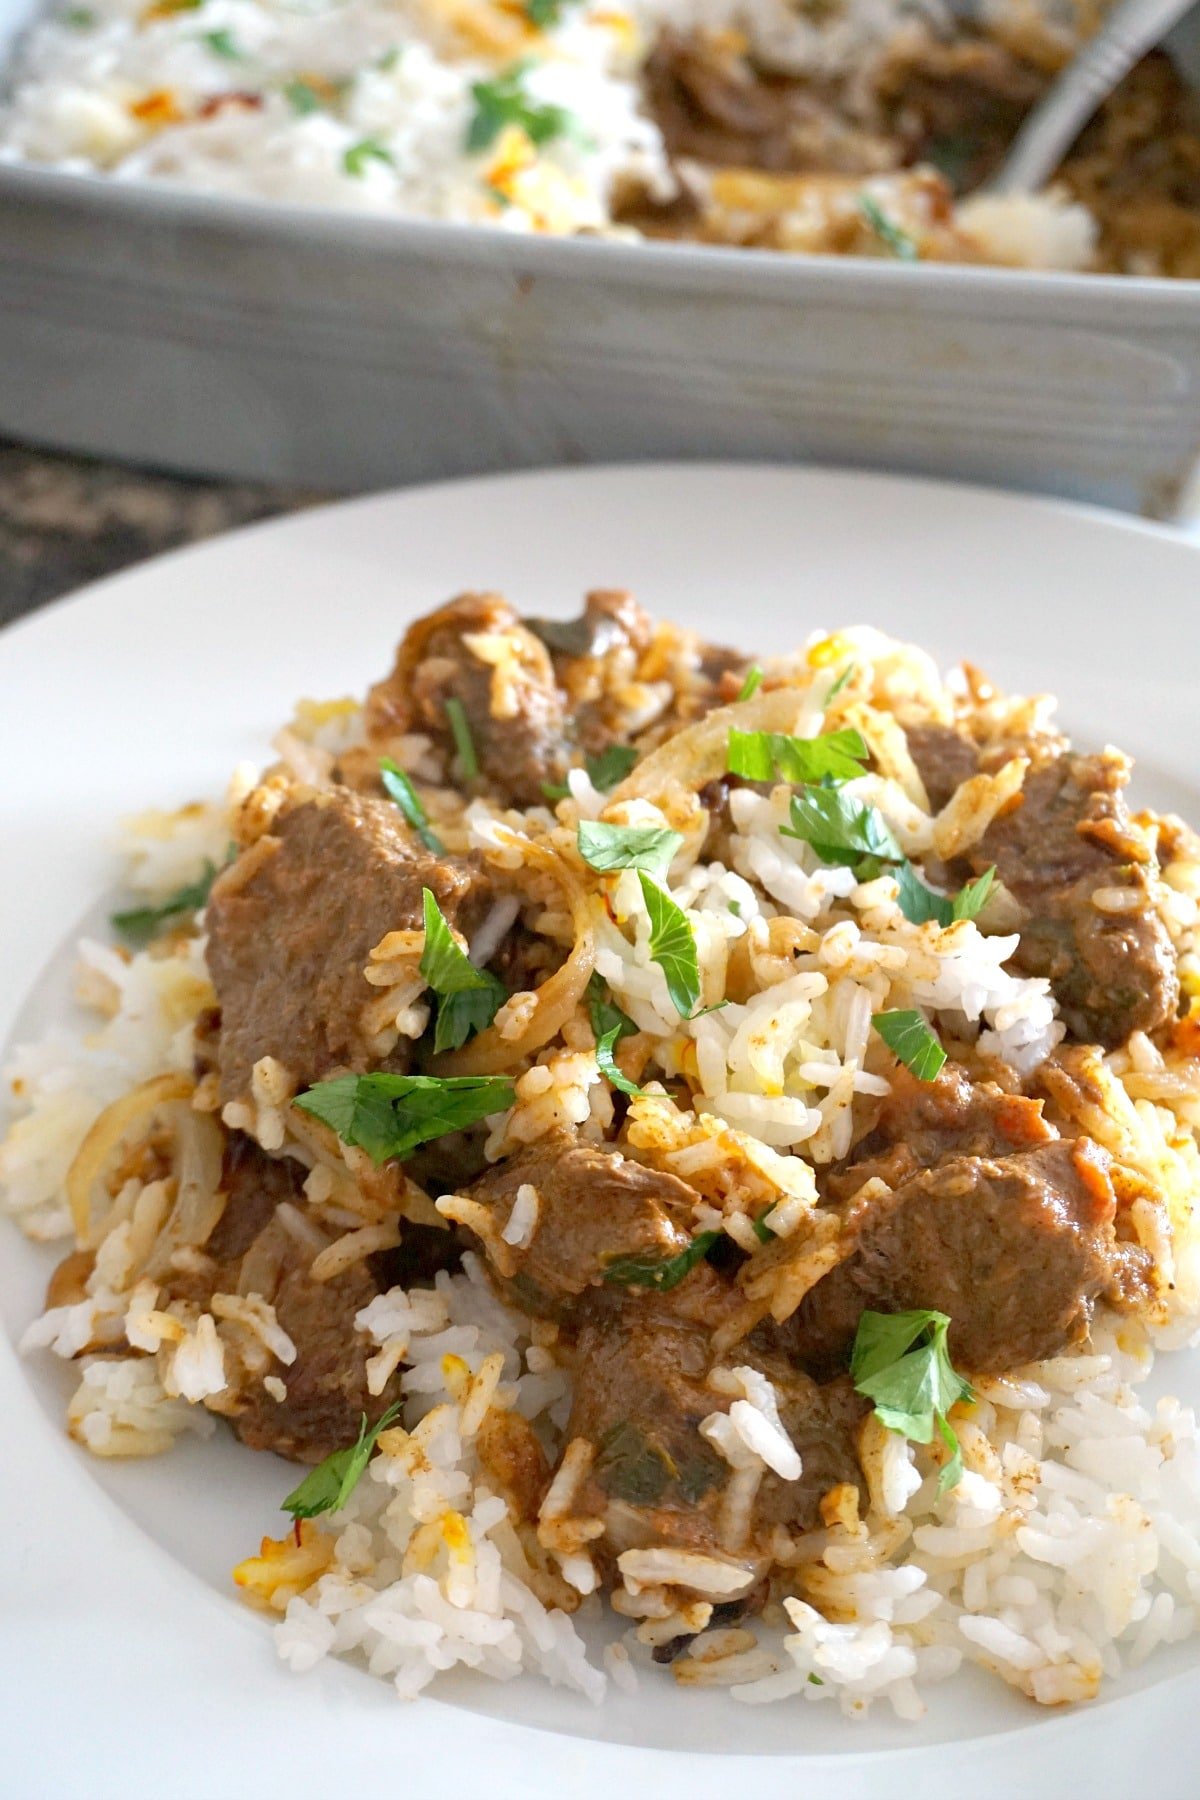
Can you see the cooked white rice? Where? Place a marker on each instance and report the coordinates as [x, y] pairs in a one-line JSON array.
[[1069, 1551]]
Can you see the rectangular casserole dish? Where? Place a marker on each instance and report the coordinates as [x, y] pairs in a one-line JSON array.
[[248, 339]]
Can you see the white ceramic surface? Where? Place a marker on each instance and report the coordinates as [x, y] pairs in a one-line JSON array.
[[305, 345], [127, 1667]]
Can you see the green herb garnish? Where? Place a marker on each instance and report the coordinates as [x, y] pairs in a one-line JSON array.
[[608, 1065], [604, 772], [389, 59], [302, 97], [464, 743], [608, 847], [751, 685], [221, 43], [141, 922], [504, 102], [468, 998], [758, 755], [672, 947], [660, 1273], [896, 239], [368, 149], [842, 830], [399, 786], [910, 1036], [390, 1115], [79, 18], [901, 1362], [840, 683], [609, 1026], [762, 1230], [919, 903], [544, 13], [328, 1487]]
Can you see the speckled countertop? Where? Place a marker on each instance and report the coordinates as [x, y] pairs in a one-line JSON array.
[[65, 520]]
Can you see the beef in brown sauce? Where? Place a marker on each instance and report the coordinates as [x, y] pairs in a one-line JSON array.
[[594, 1207], [538, 695], [251, 1251], [1016, 1249], [1069, 841], [512, 705], [288, 943], [642, 1390]]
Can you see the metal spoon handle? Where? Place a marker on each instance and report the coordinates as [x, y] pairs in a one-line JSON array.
[[1083, 85]]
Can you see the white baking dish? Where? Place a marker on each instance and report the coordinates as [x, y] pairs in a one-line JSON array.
[[312, 346]]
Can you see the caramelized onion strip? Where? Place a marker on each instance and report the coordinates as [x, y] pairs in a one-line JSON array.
[[556, 1000]]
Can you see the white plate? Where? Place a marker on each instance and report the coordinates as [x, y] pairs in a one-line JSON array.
[[126, 1665]]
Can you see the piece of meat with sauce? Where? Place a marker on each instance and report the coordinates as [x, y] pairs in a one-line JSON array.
[[641, 1393], [326, 1386], [253, 1251], [292, 923], [476, 651], [1067, 853], [714, 104], [922, 1123], [594, 1208], [1015, 1249]]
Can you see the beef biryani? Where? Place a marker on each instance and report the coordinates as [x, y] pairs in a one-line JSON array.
[[703, 1145], [843, 127]]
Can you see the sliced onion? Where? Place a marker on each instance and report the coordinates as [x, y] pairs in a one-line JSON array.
[[199, 1197], [558, 996], [119, 1127]]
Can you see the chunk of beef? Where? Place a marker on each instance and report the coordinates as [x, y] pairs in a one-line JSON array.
[[252, 1251], [254, 1184], [715, 104], [326, 1386], [922, 1123], [944, 759], [641, 1394], [288, 941], [477, 651], [594, 1208], [1070, 838], [1015, 1249]]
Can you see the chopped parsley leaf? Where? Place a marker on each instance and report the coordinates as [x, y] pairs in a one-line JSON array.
[[607, 847], [901, 1362], [468, 998], [758, 755], [368, 149], [894, 237], [504, 102], [464, 743], [913, 1040], [919, 903], [605, 771], [841, 829], [222, 43], [142, 922], [751, 685], [302, 97], [390, 1115], [840, 683], [398, 785], [328, 1487], [660, 1273], [672, 947]]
